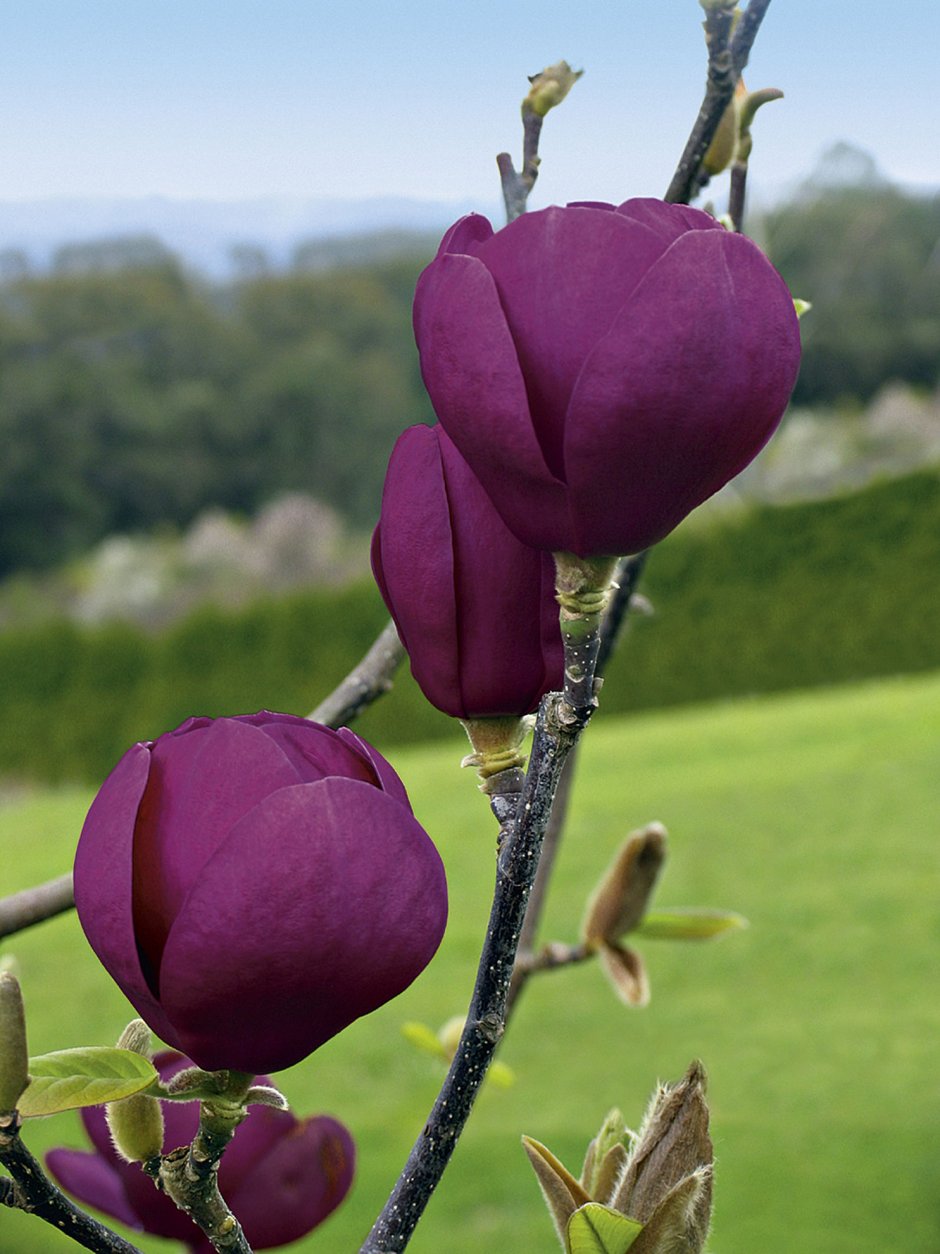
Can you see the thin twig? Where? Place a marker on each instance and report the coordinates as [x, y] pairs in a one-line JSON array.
[[517, 186], [33, 905], [32, 1191], [368, 681], [727, 57], [742, 41], [737, 194], [551, 957]]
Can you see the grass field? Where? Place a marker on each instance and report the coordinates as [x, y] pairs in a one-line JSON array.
[[817, 816]]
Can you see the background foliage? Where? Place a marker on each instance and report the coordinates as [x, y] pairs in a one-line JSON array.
[[134, 394], [779, 597]]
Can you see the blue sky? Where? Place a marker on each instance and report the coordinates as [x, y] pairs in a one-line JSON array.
[[225, 99]]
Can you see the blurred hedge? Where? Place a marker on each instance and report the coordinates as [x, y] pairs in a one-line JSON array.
[[783, 597]]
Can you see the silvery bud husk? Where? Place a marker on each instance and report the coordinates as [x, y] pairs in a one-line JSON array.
[[651, 1197], [617, 907]]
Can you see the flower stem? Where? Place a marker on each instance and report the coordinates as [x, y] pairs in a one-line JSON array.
[[189, 1175]]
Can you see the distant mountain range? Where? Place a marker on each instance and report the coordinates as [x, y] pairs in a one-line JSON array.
[[205, 232]]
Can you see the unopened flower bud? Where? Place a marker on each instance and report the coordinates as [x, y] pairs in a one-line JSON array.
[[550, 88], [14, 1055]]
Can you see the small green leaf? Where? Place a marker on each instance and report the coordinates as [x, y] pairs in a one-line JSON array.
[[596, 1229], [690, 924], [89, 1076], [423, 1038], [500, 1076], [801, 306]]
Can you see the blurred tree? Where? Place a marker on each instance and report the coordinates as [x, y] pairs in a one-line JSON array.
[[867, 255]]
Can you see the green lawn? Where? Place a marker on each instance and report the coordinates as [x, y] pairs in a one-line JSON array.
[[817, 816]]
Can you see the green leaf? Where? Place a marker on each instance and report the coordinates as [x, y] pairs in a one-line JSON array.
[[690, 924], [500, 1076], [423, 1038], [70, 1078], [596, 1229]]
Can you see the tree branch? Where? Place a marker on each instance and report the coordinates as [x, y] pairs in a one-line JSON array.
[[368, 681], [190, 1176], [742, 41], [33, 905], [523, 822], [737, 194], [727, 57], [626, 579], [516, 187], [31, 1190]]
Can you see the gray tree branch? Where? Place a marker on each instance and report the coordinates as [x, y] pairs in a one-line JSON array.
[[30, 1189]]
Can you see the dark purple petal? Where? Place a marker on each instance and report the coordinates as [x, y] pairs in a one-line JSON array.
[[470, 607], [466, 235], [415, 567], [682, 393], [104, 878], [505, 597], [200, 785], [316, 751], [326, 901], [257, 1136], [301, 1179], [472, 374], [562, 276], [93, 1181], [668, 221], [385, 774], [96, 1128]]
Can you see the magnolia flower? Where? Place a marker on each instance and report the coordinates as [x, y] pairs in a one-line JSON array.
[[255, 884], [604, 370], [474, 607]]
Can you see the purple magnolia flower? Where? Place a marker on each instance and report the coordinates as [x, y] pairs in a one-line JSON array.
[[475, 609], [255, 884], [281, 1176], [604, 370]]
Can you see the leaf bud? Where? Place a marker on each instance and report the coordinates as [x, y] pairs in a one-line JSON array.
[[266, 1095], [657, 1196], [549, 88], [136, 1127], [136, 1123], [14, 1054]]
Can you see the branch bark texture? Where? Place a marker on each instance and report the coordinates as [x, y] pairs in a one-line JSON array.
[[517, 185], [727, 57], [34, 905], [31, 1190], [365, 684], [521, 835]]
